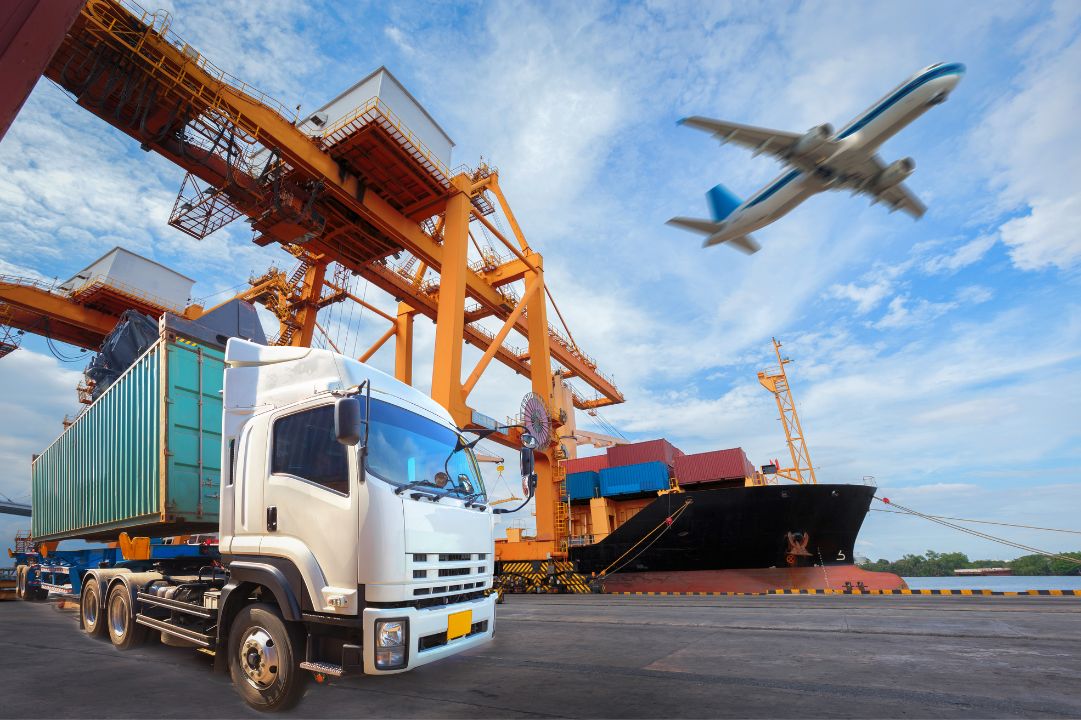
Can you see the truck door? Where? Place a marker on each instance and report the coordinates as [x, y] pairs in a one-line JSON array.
[[311, 499]]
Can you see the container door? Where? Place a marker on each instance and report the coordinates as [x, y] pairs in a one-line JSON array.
[[311, 502]]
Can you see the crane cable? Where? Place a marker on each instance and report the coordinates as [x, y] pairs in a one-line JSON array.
[[667, 523], [979, 534]]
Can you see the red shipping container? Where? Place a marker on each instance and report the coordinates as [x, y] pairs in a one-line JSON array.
[[729, 464], [643, 452], [593, 463]]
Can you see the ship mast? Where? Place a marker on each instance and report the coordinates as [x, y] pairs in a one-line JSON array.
[[776, 381]]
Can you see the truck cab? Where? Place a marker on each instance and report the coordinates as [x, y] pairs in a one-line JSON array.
[[385, 523], [354, 533]]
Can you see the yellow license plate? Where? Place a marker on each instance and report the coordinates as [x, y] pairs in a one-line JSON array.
[[459, 624]]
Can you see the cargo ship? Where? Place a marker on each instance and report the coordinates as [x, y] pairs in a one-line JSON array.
[[722, 514], [645, 517]]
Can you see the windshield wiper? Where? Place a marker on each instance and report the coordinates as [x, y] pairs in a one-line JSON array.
[[416, 484], [469, 499]]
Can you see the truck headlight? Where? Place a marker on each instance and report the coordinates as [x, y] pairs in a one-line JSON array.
[[390, 633], [390, 644]]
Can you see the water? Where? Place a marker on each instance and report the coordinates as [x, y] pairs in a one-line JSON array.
[[1002, 583]]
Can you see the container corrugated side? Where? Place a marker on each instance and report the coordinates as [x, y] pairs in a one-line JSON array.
[[581, 485], [110, 471], [593, 463], [194, 378], [731, 464], [632, 479], [642, 452]]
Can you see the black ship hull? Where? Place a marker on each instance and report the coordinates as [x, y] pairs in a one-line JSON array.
[[735, 528]]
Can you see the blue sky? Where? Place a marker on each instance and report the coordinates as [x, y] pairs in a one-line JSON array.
[[942, 357]]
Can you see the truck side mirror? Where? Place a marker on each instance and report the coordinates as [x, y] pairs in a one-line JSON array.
[[348, 420]]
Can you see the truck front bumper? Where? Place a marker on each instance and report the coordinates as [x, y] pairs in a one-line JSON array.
[[426, 637]]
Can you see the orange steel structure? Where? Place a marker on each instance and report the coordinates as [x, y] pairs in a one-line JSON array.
[[776, 381], [365, 197], [81, 317]]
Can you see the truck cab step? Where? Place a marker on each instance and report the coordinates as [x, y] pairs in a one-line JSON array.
[[322, 667]]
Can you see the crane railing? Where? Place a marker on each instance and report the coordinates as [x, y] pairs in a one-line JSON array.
[[159, 22], [337, 131]]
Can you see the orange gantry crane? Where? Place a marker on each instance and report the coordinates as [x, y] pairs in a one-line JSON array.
[[362, 196], [81, 314]]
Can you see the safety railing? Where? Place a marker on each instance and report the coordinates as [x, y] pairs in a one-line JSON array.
[[512, 349], [97, 282], [159, 23], [376, 104], [31, 282]]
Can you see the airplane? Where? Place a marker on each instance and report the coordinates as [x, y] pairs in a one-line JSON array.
[[820, 159]]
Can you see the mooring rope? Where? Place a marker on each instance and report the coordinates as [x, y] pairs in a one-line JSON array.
[[979, 534], [667, 523]]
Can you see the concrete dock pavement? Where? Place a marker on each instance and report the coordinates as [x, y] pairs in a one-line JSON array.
[[609, 656]]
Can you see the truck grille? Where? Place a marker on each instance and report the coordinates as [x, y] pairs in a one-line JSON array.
[[436, 574]]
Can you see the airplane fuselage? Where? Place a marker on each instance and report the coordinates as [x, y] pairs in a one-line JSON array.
[[853, 144]]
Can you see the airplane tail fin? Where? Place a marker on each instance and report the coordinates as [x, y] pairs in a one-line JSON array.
[[721, 202]]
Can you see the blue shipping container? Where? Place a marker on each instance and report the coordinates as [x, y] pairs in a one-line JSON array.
[[632, 479], [581, 485]]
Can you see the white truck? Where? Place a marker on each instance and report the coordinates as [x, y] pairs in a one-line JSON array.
[[354, 535]]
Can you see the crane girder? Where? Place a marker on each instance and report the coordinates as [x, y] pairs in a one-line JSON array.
[[35, 309]]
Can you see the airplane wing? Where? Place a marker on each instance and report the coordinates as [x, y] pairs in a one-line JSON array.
[[764, 140], [897, 197], [778, 143]]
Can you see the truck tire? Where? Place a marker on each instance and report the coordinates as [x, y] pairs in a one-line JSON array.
[[124, 632], [262, 658], [90, 609], [20, 582]]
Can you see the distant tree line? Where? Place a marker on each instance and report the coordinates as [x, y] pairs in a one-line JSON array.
[[934, 564]]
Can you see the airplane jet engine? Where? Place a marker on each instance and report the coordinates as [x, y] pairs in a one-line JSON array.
[[812, 143], [894, 173]]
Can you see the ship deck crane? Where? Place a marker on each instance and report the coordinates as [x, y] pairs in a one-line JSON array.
[[775, 379], [364, 195]]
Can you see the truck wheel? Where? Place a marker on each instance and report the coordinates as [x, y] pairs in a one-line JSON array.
[[90, 609], [123, 630], [262, 658], [20, 582]]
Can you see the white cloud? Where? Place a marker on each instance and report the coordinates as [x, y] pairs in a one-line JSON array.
[[974, 295], [904, 313], [961, 257], [397, 37], [1028, 141], [866, 297], [1047, 236]]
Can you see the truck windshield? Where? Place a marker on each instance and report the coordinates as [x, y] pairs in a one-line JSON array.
[[406, 448]]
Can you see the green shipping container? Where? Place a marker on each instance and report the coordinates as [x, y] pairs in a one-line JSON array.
[[144, 458]]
